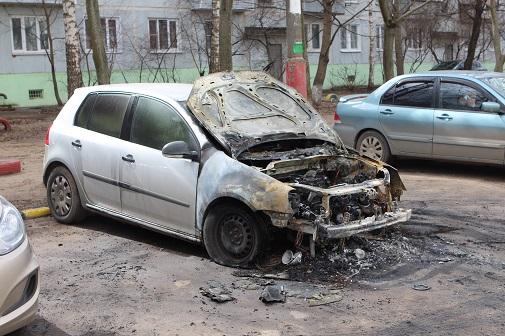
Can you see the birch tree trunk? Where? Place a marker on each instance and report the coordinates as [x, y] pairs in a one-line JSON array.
[[96, 34], [495, 35], [225, 52], [214, 39], [50, 53], [72, 48], [387, 52]]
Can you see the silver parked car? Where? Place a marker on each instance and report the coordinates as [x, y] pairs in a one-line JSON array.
[[454, 115], [221, 162], [19, 272]]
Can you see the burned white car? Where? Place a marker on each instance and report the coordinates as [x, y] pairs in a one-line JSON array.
[[220, 162]]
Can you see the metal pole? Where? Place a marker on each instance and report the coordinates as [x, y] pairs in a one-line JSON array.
[[296, 72]]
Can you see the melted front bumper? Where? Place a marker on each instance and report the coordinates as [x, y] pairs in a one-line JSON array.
[[367, 224]]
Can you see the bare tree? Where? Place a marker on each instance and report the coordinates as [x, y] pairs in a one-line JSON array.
[[225, 24], [392, 19], [329, 34], [214, 40], [371, 43], [478, 10], [97, 41], [496, 37], [72, 48], [49, 49]]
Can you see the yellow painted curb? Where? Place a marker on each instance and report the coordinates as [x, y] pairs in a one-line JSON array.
[[35, 213]]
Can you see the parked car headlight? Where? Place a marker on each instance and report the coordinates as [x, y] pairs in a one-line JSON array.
[[12, 227]]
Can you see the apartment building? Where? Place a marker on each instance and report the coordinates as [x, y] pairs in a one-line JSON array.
[[169, 40]]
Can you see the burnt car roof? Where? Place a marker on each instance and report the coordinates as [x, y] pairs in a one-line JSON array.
[[243, 109]]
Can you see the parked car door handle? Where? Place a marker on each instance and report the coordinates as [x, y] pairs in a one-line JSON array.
[[76, 143], [444, 116], [387, 112], [128, 158]]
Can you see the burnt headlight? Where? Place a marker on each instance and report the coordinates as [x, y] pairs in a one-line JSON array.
[[12, 227]]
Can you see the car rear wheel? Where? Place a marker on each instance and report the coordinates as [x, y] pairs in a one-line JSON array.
[[232, 235], [374, 145], [63, 197]]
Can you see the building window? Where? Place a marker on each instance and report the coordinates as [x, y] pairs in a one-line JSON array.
[[110, 30], [313, 36], [162, 35], [349, 38], [379, 37], [350, 2], [36, 94], [29, 34], [415, 38], [264, 3], [208, 36]]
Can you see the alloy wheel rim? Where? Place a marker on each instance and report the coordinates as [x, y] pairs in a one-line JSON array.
[[372, 147], [61, 196]]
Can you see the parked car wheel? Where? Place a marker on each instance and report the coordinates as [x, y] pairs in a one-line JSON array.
[[232, 235], [63, 197], [374, 145]]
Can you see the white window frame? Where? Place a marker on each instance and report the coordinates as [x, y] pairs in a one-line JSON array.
[[350, 2], [177, 35], [348, 34], [308, 33], [379, 37], [119, 40], [410, 41], [40, 50]]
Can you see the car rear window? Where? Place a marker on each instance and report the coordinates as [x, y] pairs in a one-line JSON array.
[[108, 113]]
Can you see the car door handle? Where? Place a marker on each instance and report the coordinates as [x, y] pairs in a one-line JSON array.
[[387, 112], [76, 143], [128, 158], [444, 116]]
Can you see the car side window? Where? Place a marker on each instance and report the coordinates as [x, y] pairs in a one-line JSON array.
[[414, 94], [155, 124], [457, 96], [108, 113], [82, 117], [387, 98]]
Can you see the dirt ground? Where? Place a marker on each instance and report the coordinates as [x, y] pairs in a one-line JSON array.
[[103, 277]]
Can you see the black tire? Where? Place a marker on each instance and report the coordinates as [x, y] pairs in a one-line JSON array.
[[233, 235], [374, 140], [63, 197]]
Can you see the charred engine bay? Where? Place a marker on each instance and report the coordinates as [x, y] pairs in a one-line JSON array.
[[318, 164]]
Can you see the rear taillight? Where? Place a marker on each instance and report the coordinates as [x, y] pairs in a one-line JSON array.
[[336, 118], [46, 139]]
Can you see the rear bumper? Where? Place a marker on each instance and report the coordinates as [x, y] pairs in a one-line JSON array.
[[19, 288], [364, 225], [347, 133]]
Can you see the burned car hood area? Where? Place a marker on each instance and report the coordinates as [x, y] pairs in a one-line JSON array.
[[309, 181], [244, 109]]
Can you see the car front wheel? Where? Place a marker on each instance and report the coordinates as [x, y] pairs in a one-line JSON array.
[[63, 197], [232, 235], [374, 145]]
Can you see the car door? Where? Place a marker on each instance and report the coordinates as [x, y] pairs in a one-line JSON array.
[[462, 129], [96, 146], [157, 189], [406, 116]]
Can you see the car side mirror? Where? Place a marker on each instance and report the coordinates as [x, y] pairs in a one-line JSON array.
[[179, 150], [490, 107]]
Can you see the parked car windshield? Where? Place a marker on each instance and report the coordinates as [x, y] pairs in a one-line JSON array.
[[497, 83], [445, 65]]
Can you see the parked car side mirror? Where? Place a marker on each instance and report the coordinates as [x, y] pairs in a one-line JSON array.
[[490, 107], [179, 150]]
